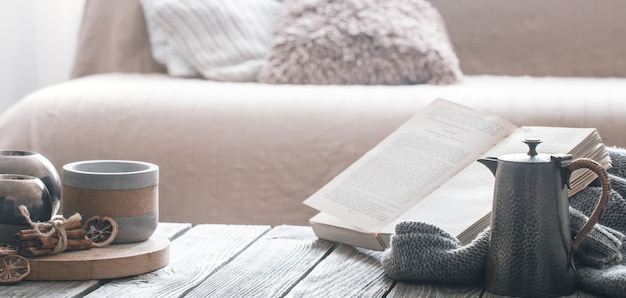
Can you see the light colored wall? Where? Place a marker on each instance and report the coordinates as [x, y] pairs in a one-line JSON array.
[[38, 45]]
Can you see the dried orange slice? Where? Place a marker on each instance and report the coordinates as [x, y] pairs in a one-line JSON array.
[[101, 230], [13, 268], [7, 249]]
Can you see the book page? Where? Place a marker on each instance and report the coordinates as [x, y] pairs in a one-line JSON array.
[[410, 163], [457, 204]]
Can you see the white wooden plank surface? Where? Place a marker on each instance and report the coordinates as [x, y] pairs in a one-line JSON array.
[[249, 261], [172, 230], [193, 257], [49, 288], [418, 289], [269, 267], [346, 272]]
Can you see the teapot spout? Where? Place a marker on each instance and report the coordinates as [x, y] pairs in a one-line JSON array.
[[490, 162]]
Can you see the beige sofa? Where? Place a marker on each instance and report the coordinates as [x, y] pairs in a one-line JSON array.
[[251, 153]]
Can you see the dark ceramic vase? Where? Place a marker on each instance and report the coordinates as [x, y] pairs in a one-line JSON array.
[[29, 163]]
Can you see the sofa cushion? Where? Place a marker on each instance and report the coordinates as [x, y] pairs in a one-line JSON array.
[[162, 50], [360, 42], [225, 40]]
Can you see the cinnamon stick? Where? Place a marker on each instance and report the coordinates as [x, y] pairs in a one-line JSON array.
[[30, 252], [27, 243], [79, 244], [76, 234], [51, 241], [47, 242], [72, 244], [30, 234], [32, 244]]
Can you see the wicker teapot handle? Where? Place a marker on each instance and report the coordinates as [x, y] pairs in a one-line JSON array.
[[604, 197]]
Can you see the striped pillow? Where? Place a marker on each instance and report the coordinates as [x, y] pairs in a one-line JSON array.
[[224, 40], [162, 50]]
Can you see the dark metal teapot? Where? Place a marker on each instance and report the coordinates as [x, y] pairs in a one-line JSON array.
[[530, 247]]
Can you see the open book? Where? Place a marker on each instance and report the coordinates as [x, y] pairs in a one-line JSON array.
[[426, 171]]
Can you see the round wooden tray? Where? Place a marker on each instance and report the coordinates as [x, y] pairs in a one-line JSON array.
[[113, 261]]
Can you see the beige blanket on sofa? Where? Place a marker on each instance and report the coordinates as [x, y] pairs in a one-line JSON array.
[[251, 153]]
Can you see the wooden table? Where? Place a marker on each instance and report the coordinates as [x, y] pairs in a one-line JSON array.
[[250, 261]]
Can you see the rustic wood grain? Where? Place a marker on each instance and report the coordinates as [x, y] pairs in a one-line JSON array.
[[49, 288], [172, 230], [346, 272], [193, 257], [72, 288], [269, 267], [420, 289], [249, 261]]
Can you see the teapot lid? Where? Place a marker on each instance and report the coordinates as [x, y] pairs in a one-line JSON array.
[[529, 157]]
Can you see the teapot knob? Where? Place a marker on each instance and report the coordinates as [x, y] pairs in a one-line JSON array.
[[532, 146]]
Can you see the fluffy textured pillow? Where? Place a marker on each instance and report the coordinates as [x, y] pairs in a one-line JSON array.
[[224, 40], [162, 50], [360, 42]]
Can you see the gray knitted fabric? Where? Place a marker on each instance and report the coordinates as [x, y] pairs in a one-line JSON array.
[[424, 252], [602, 246]]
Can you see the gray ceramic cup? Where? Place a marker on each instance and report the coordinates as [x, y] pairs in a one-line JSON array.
[[124, 190]]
